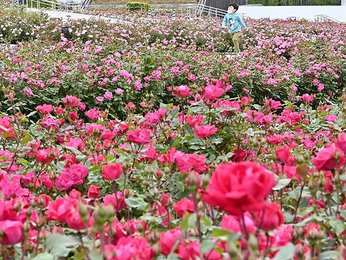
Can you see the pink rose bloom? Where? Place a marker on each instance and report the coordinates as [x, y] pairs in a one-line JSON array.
[[330, 118], [205, 131], [306, 98], [93, 113], [119, 91], [320, 87], [73, 175], [108, 95], [99, 99], [45, 109], [93, 192], [168, 240], [341, 143], [181, 91], [138, 85], [28, 92], [232, 223], [213, 92], [183, 206], [112, 171], [12, 232], [328, 158], [139, 136]]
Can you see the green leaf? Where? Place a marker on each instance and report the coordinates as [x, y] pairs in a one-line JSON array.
[[221, 233], [337, 225], [60, 245], [22, 161], [285, 253], [78, 154], [44, 256], [136, 202], [193, 221], [207, 245], [26, 139], [282, 184], [343, 214], [206, 221], [328, 255], [184, 223], [95, 256]]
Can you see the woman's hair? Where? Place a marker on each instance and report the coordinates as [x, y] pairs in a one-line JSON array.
[[235, 6]]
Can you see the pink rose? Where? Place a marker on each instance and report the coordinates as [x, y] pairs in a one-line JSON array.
[[205, 131], [139, 136], [168, 240], [93, 192], [239, 187], [269, 217], [328, 158], [12, 232], [183, 206], [112, 171]]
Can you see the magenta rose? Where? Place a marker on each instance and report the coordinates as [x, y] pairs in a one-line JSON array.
[[239, 187], [112, 171], [328, 158], [12, 232]]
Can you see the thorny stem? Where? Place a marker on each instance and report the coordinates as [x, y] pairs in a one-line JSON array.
[[195, 205], [243, 227], [3, 252], [298, 202]]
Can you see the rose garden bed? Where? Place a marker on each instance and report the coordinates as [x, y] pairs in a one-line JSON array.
[[143, 141]]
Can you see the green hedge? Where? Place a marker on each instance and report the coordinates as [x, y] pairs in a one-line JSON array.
[[134, 6]]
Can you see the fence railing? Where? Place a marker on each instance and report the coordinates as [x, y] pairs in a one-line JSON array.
[[51, 4], [43, 4], [325, 18]]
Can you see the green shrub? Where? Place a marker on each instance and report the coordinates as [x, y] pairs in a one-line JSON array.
[[134, 6]]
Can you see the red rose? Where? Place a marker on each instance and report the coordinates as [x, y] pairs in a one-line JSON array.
[[72, 175], [112, 171], [168, 240], [232, 223], [42, 200], [164, 199], [239, 187], [183, 206], [283, 154], [311, 228], [139, 136], [189, 250], [269, 217], [205, 131], [133, 248], [93, 192], [60, 208], [328, 158], [341, 143], [12, 232], [239, 155], [46, 155], [74, 220], [45, 109], [181, 91], [116, 200]]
